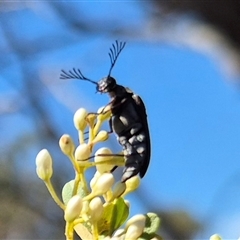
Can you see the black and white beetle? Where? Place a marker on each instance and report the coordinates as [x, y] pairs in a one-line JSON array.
[[128, 119]]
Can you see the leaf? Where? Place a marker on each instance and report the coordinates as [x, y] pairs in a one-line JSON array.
[[68, 189], [114, 215], [152, 223], [119, 215], [146, 236], [104, 223], [151, 226]]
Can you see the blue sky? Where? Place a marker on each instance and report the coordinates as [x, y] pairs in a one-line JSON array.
[[194, 120], [193, 108]]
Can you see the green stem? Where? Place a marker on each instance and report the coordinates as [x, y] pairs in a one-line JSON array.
[[53, 194], [74, 163], [76, 183], [83, 180], [69, 231], [97, 127], [80, 177], [91, 135], [81, 137], [95, 230]]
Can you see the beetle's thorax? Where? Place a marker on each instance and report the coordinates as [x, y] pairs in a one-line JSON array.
[[118, 91]]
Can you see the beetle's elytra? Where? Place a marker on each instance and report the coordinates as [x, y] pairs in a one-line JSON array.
[[128, 117]]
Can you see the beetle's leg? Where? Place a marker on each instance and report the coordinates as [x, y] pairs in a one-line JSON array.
[[104, 155], [103, 110], [117, 162], [86, 138], [110, 126], [112, 105]]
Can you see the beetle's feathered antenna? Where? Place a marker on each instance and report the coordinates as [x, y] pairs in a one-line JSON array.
[[75, 74], [114, 53]]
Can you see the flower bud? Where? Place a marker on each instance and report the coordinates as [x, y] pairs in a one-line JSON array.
[[73, 208], [94, 179], [133, 232], [44, 165], [118, 189], [107, 238], [103, 184], [105, 167], [132, 184], [104, 113], [101, 117], [90, 118], [127, 203], [101, 137], [66, 144], [119, 232], [79, 119], [82, 152], [96, 209], [135, 226], [215, 237], [122, 237]]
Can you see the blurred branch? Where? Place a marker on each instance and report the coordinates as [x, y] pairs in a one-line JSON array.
[[16, 194], [209, 26], [225, 15]]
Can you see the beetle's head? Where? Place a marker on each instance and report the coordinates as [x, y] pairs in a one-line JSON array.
[[106, 84]]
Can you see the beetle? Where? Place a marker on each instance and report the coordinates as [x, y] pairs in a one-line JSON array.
[[128, 117]]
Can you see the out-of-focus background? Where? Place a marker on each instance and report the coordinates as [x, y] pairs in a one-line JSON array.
[[181, 57]]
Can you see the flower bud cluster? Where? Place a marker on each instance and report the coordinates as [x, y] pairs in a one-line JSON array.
[[92, 207], [133, 229]]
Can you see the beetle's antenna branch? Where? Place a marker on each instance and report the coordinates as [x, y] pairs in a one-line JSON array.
[[114, 53], [75, 74]]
